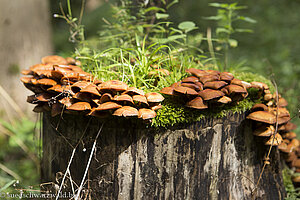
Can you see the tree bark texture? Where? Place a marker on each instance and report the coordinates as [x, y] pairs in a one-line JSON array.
[[209, 159], [25, 37]]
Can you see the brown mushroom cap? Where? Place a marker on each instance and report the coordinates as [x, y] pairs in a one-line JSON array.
[[234, 89], [126, 111], [262, 116], [108, 106], [99, 114], [283, 120], [44, 97], [145, 113], [41, 67], [174, 85], [264, 131], [154, 97], [155, 107], [190, 79], [224, 100], [215, 84], [167, 91], [134, 91], [185, 90], [281, 111], [46, 81], [26, 72], [259, 107], [268, 97], [282, 102], [193, 86], [66, 101], [196, 72], [259, 85], [289, 135], [26, 79], [226, 76], [41, 107], [113, 85], [54, 59], [209, 78], [105, 98], [92, 89], [197, 103], [140, 99], [274, 140], [209, 94], [290, 126], [80, 106], [76, 87], [123, 98], [70, 60]]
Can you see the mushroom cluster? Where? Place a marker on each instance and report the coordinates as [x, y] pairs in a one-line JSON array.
[[59, 85], [207, 88], [269, 114]]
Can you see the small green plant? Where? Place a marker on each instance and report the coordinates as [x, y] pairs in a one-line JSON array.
[[226, 17]]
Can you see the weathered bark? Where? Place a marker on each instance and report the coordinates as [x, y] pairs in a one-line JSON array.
[[25, 37], [210, 159]]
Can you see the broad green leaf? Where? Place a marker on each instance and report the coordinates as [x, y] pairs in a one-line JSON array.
[[187, 26], [161, 15]]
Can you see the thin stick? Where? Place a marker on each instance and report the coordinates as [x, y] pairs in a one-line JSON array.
[[210, 46], [63, 180], [88, 164]]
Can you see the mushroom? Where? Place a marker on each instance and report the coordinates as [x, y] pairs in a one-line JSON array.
[[76, 87], [289, 135], [140, 100], [113, 86], [259, 107], [190, 79], [196, 72], [209, 94], [44, 97], [154, 97], [54, 59], [91, 89], [193, 86], [282, 102], [264, 131], [108, 106], [46, 82], [105, 98], [185, 90], [236, 92], [133, 91], [155, 107], [268, 97], [124, 98], [145, 113], [215, 84], [41, 107], [224, 100], [66, 101], [197, 103], [262, 116], [167, 91], [274, 140], [80, 106], [126, 111], [209, 78], [226, 76], [259, 85]]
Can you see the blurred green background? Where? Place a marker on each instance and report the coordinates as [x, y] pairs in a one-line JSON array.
[[271, 50]]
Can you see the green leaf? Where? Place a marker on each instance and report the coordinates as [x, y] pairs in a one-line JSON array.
[[218, 17], [154, 8], [222, 30], [242, 30], [172, 3], [233, 43], [218, 5], [161, 15], [247, 19], [187, 26]]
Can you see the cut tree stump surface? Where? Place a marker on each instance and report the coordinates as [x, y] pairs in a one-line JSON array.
[[209, 159]]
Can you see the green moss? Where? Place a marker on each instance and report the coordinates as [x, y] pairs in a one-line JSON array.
[[292, 193]]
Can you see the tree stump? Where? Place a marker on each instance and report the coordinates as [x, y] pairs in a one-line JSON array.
[[209, 159]]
